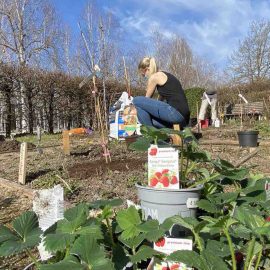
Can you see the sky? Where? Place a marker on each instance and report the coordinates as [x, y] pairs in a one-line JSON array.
[[213, 28]]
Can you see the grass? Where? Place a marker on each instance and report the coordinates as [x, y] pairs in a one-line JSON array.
[[46, 139]]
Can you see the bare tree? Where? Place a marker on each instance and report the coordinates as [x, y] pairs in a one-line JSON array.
[[23, 35], [251, 61]]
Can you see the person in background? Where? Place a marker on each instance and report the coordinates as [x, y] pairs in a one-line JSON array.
[[209, 98], [171, 108]]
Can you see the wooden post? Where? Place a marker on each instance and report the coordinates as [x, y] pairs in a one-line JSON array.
[[176, 138], [22, 165], [66, 142]]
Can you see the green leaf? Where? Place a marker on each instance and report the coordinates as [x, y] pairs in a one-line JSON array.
[[58, 241], [208, 206], [141, 144], [133, 242], [100, 204], [26, 234], [92, 253], [188, 257], [149, 225], [119, 257], [75, 217], [220, 249], [249, 216], [6, 234], [70, 263], [128, 219], [144, 253], [187, 222], [213, 261]]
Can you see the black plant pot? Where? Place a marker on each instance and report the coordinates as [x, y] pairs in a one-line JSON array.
[[248, 138]]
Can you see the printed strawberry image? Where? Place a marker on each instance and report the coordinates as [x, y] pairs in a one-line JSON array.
[[160, 242], [153, 151], [153, 182], [165, 181], [165, 171], [175, 266], [174, 180], [158, 174]]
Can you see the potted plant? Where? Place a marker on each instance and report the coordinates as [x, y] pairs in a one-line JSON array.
[[247, 137], [199, 174]]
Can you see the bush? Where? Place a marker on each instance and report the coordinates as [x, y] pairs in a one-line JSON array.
[[193, 97]]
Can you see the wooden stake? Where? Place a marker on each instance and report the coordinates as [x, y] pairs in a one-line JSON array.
[[127, 78], [176, 138], [66, 142], [22, 165]]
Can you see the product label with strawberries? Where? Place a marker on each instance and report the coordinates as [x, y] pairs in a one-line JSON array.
[[168, 245], [163, 167]]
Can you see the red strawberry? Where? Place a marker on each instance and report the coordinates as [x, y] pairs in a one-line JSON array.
[[158, 174], [174, 180], [175, 267], [165, 268], [160, 242], [165, 181], [153, 182], [165, 171], [239, 256], [267, 219], [153, 151]]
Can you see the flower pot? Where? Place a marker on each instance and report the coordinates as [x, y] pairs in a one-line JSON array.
[[248, 138], [159, 203]]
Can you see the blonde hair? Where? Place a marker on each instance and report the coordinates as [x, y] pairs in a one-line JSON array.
[[148, 62]]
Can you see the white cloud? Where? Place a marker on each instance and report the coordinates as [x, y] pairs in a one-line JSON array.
[[213, 28]]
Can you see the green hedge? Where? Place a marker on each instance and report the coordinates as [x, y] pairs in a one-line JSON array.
[[194, 96]]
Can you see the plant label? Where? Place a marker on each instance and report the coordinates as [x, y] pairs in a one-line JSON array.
[[192, 202], [168, 245], [267, 190], [66, 142], [163, 167], [22, 165], [48, 204]]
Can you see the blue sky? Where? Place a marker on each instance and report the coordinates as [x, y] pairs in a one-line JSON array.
[[213, 28]]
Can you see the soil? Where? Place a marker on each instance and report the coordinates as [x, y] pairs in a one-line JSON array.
[[13, 146], [90, 178]]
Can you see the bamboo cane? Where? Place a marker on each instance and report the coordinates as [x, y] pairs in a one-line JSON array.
[[127, 78]]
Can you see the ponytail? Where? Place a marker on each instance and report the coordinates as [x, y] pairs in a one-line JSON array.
[[148, 62]]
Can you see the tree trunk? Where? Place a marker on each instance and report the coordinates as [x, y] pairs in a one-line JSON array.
[[7, 96]]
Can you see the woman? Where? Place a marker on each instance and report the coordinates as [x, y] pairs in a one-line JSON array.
[[173, 109]]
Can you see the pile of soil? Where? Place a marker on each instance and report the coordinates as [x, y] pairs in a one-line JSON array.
[[89, 169], [13, 146]]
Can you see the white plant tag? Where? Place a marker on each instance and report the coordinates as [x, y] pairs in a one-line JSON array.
[[192, 202], [163, 167], [48, 204], [168, 245]]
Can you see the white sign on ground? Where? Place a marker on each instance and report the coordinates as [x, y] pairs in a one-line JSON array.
[[48, 204]]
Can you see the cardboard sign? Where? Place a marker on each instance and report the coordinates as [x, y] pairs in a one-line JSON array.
[[163, 167], [168, 245]]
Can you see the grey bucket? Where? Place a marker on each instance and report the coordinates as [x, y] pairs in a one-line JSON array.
[[248, 138], [158, 203]]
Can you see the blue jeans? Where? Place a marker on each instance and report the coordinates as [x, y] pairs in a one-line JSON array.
[[156, 113]]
